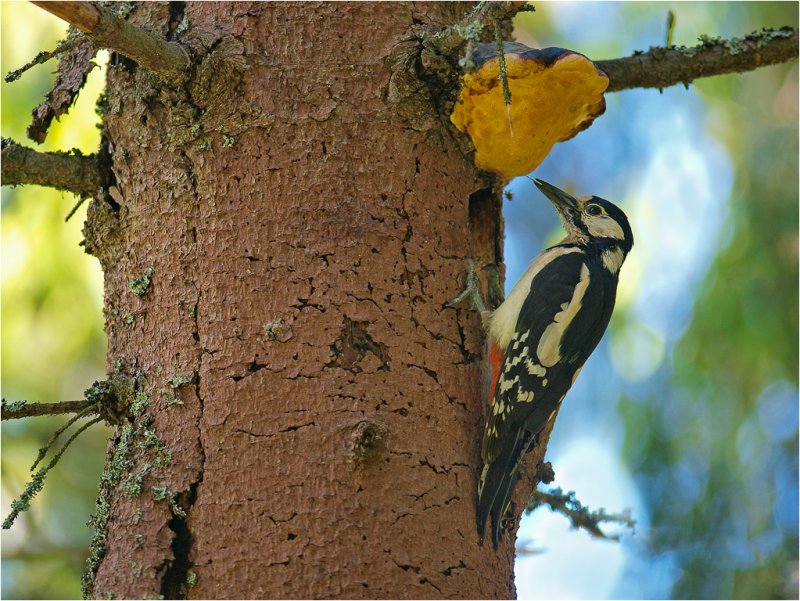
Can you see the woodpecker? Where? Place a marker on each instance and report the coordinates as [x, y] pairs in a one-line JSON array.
[[541, 335]]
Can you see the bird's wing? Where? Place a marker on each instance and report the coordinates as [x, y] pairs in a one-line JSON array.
[[533, 379]]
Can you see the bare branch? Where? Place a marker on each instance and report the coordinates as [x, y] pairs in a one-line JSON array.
[[664, 67], [72, 172], [106, 30], [21, 409]]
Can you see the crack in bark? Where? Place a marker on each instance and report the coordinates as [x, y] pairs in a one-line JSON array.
[[252, 368], [174, 578], [292, 428]]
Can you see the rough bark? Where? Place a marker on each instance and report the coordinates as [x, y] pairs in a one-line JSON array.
[[278, 248]]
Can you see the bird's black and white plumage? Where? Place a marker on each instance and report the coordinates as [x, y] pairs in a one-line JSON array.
[[542, 334]]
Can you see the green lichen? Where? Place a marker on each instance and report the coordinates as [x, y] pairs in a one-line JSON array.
[[148, 441], [124, 9], [708, 40], [140, 285], [160, 493], [13, 405], [191, 579], [163, 493], [133, 483], [129, 319], [228, 141], [140, 402], [119, 463], [178, 381], [171, 398], [23, 503], [470, 31], [137, 442], [183, 25], [164, 457]]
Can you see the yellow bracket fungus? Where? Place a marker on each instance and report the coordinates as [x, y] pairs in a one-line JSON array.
[[555, 94]]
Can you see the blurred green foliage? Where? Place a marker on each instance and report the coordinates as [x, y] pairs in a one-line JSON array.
[[711, 439], [715, 448], [719, 449], [53, 345]]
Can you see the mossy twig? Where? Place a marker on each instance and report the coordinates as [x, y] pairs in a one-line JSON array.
[[664, 67], [21, 409], [451, 40], [501, 55], [43, 451], [43, 57], [35, 485], [578, 515]]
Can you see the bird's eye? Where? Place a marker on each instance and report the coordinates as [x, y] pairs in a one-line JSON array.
[[594, 210]]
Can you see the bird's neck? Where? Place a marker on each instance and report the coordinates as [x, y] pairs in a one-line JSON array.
[[607, 252]]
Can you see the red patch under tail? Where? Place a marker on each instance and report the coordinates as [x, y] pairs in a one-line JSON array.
[[496, 357]]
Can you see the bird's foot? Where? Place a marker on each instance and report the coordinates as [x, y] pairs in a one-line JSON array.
[[471, 291]]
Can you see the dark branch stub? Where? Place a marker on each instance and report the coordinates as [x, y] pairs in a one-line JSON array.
[[74, 66], [69, 171]]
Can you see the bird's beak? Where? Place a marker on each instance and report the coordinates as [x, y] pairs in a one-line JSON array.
[[565, 204]]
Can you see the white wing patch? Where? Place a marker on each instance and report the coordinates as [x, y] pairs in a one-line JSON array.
[[549, 348], [534, 369], [506, 385], [525, 397]]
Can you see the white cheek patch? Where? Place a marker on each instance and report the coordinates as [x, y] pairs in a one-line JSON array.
[[549, 348], [612, 259], [604, 227]]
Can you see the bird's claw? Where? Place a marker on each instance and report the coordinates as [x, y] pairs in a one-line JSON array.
[[471, 290]]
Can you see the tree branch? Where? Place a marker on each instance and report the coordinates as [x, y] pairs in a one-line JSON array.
[[62, 170], [46, 55], [107, 30], [20, 409], [664, 67], [579, 515]]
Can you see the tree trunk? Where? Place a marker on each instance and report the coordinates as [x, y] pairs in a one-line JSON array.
[[278, 248]]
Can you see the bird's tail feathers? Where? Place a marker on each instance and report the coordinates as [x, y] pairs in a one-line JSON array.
[[497, 485]]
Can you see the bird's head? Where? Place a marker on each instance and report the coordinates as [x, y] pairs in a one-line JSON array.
[[591, 220]]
